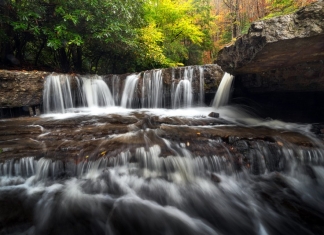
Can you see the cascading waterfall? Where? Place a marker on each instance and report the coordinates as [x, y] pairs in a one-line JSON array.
[[64, 93], [59, 97], [57, 94], [183, 95], [181, 193], [145, 173], [96, 92], [148, 162], [201, 86], [129, 98], [152, 89], [223, 92], [183, 92]]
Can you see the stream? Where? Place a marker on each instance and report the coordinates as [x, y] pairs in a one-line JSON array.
[[102, 166]]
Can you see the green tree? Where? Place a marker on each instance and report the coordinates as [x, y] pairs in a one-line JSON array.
[[175, 25], [107, 36], [72, 35]]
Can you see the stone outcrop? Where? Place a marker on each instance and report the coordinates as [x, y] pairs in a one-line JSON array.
[[279, 66], [284, 53], [304, 77], [21, 88]]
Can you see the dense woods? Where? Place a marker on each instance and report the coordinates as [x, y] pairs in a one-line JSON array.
[[117, 36]]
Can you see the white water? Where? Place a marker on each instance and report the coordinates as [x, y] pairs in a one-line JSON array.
[[152, 89], [183, 91], [201, 86], [148, 91], [223, 92], [96, 92], [141, 191], [180, 194], [183, 95], [130, 91], [57, 94]]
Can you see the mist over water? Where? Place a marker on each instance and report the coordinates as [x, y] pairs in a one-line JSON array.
[[169, 171]]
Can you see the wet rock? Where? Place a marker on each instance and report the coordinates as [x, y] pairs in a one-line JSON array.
[[215, 178], [25, 88], [214, 115]]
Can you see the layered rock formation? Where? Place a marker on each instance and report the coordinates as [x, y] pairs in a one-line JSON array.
[[22, 91], [21, 88], [280, 41], [279, 64]]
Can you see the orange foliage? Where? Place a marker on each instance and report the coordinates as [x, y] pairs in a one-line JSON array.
[[233, 17]]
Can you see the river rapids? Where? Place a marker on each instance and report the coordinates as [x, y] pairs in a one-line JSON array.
[[152, 170]]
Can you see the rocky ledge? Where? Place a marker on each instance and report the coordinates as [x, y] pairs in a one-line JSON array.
[[22, 91], [279, 65], [277, 42]]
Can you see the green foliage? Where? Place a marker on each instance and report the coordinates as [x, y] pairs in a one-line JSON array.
[[176, 25], [108, 36], [281, 7]]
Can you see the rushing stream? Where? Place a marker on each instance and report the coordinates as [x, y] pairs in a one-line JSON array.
[[95, 165]]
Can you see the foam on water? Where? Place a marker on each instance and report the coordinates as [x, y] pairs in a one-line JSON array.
[[158, 186], [96, 92]]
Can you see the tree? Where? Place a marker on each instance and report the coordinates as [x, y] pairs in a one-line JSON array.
[[69, 32], [176, 26]]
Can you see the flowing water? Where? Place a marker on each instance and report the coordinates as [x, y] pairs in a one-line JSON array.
[[93, 167], [224, 90]]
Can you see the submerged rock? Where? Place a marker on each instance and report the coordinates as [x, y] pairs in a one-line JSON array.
[[214, 115]]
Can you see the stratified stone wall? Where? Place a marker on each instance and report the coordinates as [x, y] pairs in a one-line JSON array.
[[21, 88], [277, 43], [25, 88]]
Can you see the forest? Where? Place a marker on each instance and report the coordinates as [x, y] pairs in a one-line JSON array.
[[120, 36]]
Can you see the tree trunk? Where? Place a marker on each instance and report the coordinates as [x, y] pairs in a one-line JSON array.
[[64, 61], [40, 51], [77, 58]]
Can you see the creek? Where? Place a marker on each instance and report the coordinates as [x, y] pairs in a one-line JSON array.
[[132, 157]]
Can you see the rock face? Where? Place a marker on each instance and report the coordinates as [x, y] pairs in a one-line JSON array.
[[280, 42], [279, 64], [22, 89], [19, 88]]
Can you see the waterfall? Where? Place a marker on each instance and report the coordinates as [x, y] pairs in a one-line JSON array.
[[129, 94], [96, 92], [223, 92], [57, 94], [183, 91], [152, 89], [183, 95], [201, 86]]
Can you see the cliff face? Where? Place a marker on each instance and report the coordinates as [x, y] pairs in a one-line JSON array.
[[277, 42], [279, 65]]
